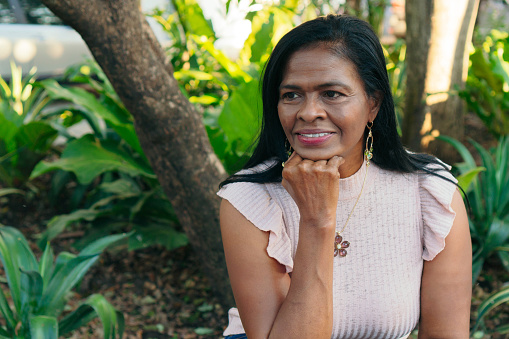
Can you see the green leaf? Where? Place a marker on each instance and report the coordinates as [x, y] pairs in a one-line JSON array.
[[121, 123], [43, 327], [99, 245], [7, 191], [7, 312], [240, 118], [191, 17], [36, 136], [203, 331], [7, 131], [46, 264], [262, 42], [95, 305], [494, 300], [108, 315], [163, 234], [15, 254], [465, 179], [87, 159], [58, 223], [63, 280], [77, 318], [31, 293]]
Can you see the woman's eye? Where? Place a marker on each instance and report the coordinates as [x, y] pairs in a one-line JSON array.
[[289, 95], [332, 94]]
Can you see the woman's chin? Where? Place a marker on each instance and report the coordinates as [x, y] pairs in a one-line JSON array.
[[316, 155]]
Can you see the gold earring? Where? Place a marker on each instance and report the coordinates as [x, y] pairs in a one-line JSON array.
[[288, 150], [368, 152]]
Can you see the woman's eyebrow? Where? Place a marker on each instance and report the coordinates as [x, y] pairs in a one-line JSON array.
[[320, 86]]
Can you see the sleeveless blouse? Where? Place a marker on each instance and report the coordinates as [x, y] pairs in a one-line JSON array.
[[400, 220]]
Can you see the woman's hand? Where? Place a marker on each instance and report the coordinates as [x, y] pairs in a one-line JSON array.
[[314, 186]]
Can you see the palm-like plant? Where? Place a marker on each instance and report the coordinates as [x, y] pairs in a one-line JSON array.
[[38, 290]]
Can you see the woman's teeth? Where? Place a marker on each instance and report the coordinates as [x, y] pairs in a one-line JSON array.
[[315, 135]]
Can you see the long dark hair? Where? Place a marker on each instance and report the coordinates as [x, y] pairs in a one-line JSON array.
[[354, 40]]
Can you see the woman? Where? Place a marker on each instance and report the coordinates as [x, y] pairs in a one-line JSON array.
[[352, 236]]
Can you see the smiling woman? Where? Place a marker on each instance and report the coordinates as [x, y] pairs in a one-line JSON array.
[[407, 260]]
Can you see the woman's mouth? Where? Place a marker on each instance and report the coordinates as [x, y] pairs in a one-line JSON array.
[[314, 138]]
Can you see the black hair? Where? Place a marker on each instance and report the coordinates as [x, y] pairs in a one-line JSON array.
[[354, 40]]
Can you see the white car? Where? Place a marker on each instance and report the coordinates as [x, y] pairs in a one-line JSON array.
[[50, 48]]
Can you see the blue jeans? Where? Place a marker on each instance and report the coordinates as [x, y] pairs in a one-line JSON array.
[[237, 336]]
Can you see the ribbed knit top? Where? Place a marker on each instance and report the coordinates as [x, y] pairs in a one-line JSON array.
[[400, 220]]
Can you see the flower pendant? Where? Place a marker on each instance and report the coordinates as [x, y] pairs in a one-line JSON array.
[[340, 246]]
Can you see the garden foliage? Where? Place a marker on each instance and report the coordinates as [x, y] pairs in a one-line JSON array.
[[39, 290], [487, 87]]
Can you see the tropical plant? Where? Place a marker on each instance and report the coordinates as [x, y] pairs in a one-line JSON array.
[[487, 86], [226, 91], [493, 301], [26, 133], [488, 196], [396, 69], [117, 189], [39, 290]]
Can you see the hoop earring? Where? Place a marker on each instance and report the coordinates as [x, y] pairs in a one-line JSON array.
[[288, 151], [368, 152]]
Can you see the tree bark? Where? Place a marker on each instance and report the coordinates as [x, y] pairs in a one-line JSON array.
[[170, 129], [438, 32]]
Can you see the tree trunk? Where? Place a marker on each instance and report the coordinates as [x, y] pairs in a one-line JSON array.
[[438, 32], [170, 129]]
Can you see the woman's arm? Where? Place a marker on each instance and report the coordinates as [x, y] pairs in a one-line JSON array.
[[447, 283], [271, 305]]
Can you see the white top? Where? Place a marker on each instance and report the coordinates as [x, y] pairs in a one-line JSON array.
[[400, 220]]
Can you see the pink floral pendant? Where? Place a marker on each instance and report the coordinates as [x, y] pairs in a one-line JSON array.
[[340, 246]]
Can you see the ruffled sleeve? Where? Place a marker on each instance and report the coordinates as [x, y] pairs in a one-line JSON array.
[[254, 202], [437, 215]]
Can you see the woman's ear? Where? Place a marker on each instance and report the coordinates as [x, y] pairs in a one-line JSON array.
[[375, 103]]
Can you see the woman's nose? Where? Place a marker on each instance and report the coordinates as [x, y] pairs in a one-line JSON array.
[[311, 110]]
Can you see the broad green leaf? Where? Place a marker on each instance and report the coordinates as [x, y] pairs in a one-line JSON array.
[[7, 132], [58, 223], [231, 67], [465, 179], [83, 98], [163, 234], [482, 69], [262, 39], [121, 123], [240, 118], [87, 159], [36, 136], [120, 186], [43, 327], [191, 17]]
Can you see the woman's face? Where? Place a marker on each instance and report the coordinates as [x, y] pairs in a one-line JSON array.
[[324, 108]]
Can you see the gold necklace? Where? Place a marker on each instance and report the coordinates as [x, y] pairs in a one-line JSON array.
[[341, 245]]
